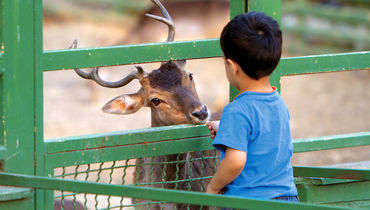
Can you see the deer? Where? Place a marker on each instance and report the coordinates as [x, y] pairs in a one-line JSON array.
[[170, 93]]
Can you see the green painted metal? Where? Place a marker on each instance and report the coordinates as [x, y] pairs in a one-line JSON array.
[[129, 54], [121, 138], [2, 152], [151, 193], [336, 193], [271, 8], [18, 86], [38, 104], [331, 142], [14, 193], [23, 61], [324, 63], [339, 173], [128, 152], [23, 204], [237, 7]]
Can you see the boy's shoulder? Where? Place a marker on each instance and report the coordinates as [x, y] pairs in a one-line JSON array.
[[235, 108], [255, 103]]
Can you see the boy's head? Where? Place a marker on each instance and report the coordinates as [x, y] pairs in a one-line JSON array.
[[253, 40]]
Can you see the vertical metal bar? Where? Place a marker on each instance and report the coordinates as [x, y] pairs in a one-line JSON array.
[[123, 181], [17, 86], [1, 28], [110, 180], [270, 8], [46, 200], [190, 162], [150, 178], [164, 170], [63, 173], [39, 153], [202, 171], [273, 9], [164, 174], [97, 180], [215, 162], [86, 178], [74, 195], [177, 169], [2, 70], [237, 7]]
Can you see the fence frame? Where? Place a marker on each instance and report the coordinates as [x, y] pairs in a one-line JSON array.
[[23, 61]]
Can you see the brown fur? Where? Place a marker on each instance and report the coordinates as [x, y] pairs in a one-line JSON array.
[[166, 77], [172, 85]]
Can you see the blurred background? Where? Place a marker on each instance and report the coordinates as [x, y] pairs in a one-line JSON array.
[[320, 104]]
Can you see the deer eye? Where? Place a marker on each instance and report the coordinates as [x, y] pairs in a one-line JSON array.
[[191, 77], [156, 101]]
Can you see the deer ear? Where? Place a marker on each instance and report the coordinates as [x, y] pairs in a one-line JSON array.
[[124, 104], [180, 63]]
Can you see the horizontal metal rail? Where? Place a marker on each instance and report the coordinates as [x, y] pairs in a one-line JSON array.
[[331, 142], [163, 141], [78, 157], [174, 196], [14, 193], [148, 135], [156, 52], [337, 173], [129, 54], [324, 63], [133, 165], [121, 138]]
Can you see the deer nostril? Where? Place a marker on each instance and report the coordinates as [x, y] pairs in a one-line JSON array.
[[202, 114]]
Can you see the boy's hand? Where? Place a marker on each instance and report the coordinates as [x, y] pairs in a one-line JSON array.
[[210, 190], [213, 127]]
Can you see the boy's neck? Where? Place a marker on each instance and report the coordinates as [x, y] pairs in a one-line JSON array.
[[262, 85]]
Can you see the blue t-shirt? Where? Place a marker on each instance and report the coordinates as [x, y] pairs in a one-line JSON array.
[[258, 124]]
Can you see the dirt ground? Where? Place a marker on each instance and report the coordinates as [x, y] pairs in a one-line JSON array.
[[320, 104]]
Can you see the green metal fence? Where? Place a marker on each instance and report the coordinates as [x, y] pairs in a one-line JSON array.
[[74, 169]]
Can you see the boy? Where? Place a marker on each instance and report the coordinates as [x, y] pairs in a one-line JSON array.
[[253, 135]]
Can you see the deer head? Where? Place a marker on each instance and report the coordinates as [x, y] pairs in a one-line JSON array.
[[169, 91]]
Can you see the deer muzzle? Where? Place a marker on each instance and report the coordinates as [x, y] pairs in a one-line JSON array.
[[202, 114]]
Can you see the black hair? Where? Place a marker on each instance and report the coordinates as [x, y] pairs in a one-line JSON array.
[[254, 41]]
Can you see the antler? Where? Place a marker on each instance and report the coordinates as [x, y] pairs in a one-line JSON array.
[[139, 74], [94, 75], [167, 20]]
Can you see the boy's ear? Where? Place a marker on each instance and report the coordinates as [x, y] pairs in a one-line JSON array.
[[234, 66], [125, 104]]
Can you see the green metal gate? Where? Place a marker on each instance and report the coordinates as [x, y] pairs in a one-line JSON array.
[[50, 170]]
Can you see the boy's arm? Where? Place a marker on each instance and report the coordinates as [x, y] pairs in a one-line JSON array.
[[229, 169]]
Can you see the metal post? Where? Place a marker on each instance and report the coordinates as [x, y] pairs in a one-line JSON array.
[[18, 92]]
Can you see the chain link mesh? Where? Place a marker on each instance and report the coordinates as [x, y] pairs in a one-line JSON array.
[[187, 171]]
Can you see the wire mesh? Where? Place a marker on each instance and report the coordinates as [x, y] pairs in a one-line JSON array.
[[186, 171]]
